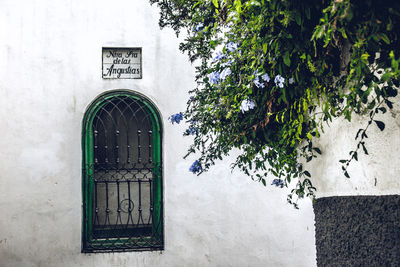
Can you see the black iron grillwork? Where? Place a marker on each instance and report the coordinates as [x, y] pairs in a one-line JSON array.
[[124, 209]]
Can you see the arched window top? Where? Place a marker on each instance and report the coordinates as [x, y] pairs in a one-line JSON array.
[[144, 103], [122, 174]]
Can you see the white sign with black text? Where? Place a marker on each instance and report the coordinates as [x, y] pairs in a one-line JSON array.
[[122, 63]]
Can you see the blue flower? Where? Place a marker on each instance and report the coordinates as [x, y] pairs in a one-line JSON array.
[[199, 27], [291, 81], [258, 83], [278, 183], [225, 73], [231, 46], [279, 80], [218, 56], [196, 167], [191, 130], [176, 118], [265, 77], [213, 77], [246, 105]]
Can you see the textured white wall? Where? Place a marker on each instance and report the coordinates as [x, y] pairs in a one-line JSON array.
[[373, 174], [50, 70]]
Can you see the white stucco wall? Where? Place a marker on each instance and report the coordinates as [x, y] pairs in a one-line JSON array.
[[374, 174], [50, 70]]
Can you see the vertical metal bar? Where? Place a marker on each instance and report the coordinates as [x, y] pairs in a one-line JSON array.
[[119, 205], [96, 208], [107, 209], [95, 147], [129, 197], [140, 217], [106, 152], [140, 197], [139, 147], [150, 146], [151, 202], [116, 146], [128, 148]]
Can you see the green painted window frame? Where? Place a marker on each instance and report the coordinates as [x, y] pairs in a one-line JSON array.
[[118, 244]]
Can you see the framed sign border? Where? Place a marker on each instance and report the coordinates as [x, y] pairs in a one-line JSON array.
[[119, 47]]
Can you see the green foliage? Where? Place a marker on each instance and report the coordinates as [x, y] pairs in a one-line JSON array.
[[336, 58]]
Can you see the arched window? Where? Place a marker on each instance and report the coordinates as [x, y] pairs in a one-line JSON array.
[[122, 174]]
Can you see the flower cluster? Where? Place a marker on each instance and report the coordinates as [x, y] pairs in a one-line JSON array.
[[279, 81], [259, 84], [191, 130], [176, 118], [225, 73], [196, 167], [213, 77], [199, 27], [218, 56], [278, 183], [246, 105], [232, 47], [265, 77]]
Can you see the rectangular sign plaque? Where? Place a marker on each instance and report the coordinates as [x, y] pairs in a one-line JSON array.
[[122, 63]]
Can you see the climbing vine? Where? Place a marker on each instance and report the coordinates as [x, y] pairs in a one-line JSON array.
[[272, 73]]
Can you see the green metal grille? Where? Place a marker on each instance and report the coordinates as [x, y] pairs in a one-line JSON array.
[[122, 174]]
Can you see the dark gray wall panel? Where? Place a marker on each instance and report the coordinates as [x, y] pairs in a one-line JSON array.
[[358, 230]]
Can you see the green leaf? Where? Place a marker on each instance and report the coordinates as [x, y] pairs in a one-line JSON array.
[[238, 6], [389, 104], [358, 133], [380, 125], [391, 92], [346, 174], [317, 150], [308, 12], [343, 160], [215, 2], [365, 150], [286, 59], [383, 109], [306, 173], [263, 181], [297, 17], [385, 38], [364, 58], [265, 47]]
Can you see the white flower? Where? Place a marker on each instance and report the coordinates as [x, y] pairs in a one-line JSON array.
[[279, 81], [246, 105], [199, 26], [258, 83], [265, 77], [225, 73], [291, 81]]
